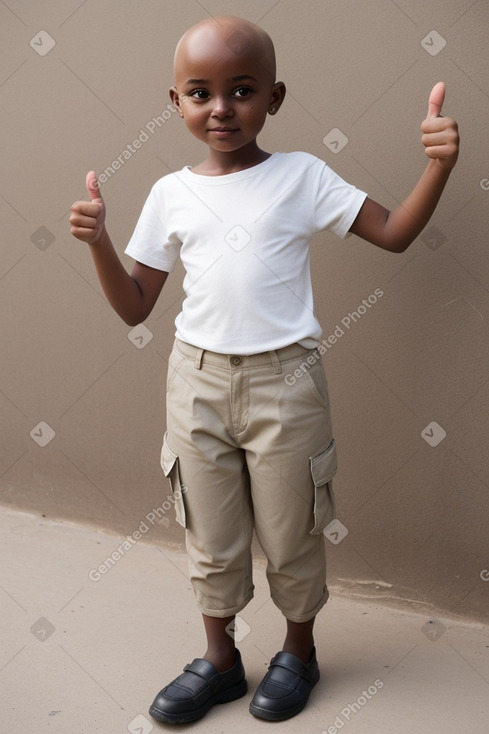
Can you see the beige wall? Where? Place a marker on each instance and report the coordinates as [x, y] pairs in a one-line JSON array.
[[416, 514]]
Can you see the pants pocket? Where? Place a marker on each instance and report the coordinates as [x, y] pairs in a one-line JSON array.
[[323, 469], [174, 363], [171, 470]]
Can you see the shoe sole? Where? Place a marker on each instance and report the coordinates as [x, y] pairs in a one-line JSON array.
[[230, 694], [261, 713]]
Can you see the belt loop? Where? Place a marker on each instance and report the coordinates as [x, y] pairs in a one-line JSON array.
[[277, 367], [198, 359]]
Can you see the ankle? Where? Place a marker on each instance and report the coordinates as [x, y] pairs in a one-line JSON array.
[[223, 657], [221, 649], [299, 640], [300, 648]]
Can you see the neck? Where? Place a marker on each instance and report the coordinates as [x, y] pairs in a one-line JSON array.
[[219, 163]]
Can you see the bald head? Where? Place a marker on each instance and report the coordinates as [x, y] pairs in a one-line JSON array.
[[231, 38]]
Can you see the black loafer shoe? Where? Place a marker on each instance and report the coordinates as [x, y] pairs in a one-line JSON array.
[[197, 689], [285, 689]]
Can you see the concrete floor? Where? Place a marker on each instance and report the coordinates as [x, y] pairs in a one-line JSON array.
[[80, 655]]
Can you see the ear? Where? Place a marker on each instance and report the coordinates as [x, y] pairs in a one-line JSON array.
[[276, 97], [176, 102]]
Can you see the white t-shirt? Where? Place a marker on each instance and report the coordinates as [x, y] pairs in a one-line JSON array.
[[244, 239]]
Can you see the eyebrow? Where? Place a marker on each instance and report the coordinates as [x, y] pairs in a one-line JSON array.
[[239, 78]]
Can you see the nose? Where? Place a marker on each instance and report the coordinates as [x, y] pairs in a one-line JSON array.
[[222, 107]]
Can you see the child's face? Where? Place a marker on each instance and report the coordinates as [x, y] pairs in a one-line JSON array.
[[224, 86]]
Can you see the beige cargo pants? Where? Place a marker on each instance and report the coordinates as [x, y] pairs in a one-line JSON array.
[[249, 445]]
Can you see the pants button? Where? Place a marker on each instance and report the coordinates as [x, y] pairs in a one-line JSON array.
[[236, 360]]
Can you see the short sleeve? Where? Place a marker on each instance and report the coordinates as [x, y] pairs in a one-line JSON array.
[[337, 202], [150, 243]]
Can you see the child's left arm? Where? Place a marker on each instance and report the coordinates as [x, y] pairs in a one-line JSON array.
[[397, 229]]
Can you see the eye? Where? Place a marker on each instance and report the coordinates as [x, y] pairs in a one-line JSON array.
[[199, 94], [242, 92]]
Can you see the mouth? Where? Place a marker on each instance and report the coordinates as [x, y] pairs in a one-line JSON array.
[[223, 132]]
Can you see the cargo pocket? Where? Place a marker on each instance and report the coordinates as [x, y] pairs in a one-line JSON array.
[[323, 469], [169, 464]]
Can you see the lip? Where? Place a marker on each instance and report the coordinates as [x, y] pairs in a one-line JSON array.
[[222, 132]]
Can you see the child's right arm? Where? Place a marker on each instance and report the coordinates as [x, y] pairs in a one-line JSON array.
[[133, 295]]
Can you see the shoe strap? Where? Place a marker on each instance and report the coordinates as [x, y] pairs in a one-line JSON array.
[[293, 664], [204, 669]]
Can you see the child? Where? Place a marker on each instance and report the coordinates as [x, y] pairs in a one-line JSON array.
[[244, 449]]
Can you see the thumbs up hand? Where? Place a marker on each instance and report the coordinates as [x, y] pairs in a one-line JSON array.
[[87, 219], [440, 134]]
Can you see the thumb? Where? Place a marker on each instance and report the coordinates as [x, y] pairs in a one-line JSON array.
[[435, 102], [93, 187]]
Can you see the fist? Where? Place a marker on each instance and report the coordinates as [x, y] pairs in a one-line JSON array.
[[87, 218], [440, 134]]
